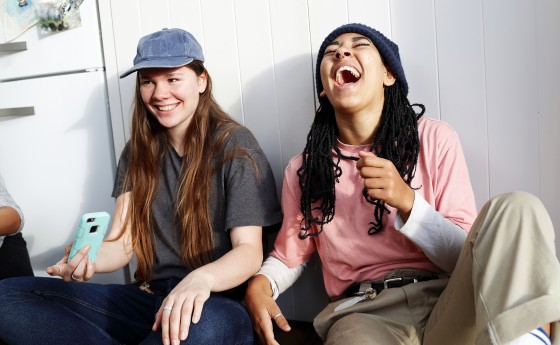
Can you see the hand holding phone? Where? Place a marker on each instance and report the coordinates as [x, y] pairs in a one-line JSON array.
[[91, 231]]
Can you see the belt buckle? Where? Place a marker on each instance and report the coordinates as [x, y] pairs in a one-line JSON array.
[[386, 282]]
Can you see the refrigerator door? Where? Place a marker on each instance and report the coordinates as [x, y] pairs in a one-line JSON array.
[[57, 163], [71, 50]]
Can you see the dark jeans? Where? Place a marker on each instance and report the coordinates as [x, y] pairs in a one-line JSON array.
[[14, 257], [51, 311]]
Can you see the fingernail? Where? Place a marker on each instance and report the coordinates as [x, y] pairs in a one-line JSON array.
[[175, 342], [183, 335]]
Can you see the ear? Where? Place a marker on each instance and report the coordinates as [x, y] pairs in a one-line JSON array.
[[202, 82], [389, 78], [322, 93]]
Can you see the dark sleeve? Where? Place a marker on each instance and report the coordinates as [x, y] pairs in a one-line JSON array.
[[250, 188], [118, 187]]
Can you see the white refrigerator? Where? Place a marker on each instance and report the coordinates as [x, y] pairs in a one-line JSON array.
[[56, 147]]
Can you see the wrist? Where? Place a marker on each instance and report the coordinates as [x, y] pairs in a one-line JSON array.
[[261, 285], [406, 208]]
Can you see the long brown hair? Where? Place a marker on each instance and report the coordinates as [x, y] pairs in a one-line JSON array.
[[203, 140]]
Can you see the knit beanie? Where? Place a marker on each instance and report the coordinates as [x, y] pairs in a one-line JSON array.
[[388, 50]]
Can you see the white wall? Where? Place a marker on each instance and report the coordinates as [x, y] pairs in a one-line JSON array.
[[489, 68]]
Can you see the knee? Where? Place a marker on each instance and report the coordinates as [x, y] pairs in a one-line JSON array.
[[518, 201], [223, 321], [518, 198]]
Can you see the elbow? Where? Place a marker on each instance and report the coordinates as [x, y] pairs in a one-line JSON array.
[[10, 221], [256, 263]]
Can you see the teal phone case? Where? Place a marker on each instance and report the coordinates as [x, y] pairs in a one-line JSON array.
[[91, 230]]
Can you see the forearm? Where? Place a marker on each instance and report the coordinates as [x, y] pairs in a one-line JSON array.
[[232, 269], [112, 256], [438, 237], [10, 221], [281, 277]]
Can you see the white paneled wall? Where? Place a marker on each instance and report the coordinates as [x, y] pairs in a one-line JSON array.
[[489, 68]]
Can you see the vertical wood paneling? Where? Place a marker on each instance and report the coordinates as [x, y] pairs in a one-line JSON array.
[[222, 60], [110, 52], [414, 32], [462, 90], [375, 13], [293, 74], [186, 14], [154, 15], [548, 56], [259, 103], [126, 40], [511, 79]]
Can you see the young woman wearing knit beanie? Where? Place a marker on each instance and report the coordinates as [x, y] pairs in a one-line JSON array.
[[384, 196]]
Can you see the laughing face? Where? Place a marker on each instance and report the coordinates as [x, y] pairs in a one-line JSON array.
[[353, 74], [171, 95]]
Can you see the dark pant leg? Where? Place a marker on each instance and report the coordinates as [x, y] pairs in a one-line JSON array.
[[14, 257], [51, 311]]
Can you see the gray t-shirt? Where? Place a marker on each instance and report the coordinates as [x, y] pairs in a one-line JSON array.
[[238, 198]]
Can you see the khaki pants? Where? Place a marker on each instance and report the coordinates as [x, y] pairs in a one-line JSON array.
[[506, 283]]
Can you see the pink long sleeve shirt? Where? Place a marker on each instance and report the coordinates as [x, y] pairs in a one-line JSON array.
[[348, 254]]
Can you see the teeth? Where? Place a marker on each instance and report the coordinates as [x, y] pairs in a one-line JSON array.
[[167, 107], [352, 70]]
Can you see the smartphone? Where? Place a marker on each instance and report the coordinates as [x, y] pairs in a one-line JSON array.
[[91, 230]]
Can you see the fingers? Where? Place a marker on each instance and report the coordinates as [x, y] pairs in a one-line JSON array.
[[75, 270], [90, 270], [174, 317], [282, 322], [366, 158], [166, 309], [55, 270]]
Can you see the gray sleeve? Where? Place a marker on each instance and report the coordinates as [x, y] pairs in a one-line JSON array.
[[118, 186], [250, 188], [7, 200]]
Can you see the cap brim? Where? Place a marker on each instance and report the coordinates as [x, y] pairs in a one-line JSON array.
[[167, 63]]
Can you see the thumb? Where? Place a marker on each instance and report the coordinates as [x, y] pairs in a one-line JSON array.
[[281, 322], [55, 270], [364, 154]]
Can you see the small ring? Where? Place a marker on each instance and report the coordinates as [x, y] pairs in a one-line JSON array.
[[74, 278], [168, 308], [277, 316]]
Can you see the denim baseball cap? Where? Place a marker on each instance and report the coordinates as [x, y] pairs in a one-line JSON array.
[[167, 48]]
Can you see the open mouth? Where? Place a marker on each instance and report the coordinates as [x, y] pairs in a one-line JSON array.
[[347, 75]]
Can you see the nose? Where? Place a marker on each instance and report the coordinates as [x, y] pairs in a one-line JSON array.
[[342, 52], [161, 91]]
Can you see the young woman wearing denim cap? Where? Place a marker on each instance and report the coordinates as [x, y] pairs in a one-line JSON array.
[[193, 191], [383, 195]]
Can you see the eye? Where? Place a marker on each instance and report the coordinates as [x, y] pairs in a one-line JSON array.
[[362, 44], [172, 80], [145, 82], [329, 51]]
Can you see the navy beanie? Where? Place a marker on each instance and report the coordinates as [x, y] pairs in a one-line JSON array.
[[388, 50]]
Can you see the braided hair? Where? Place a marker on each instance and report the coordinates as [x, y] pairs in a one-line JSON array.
[[396, 140]]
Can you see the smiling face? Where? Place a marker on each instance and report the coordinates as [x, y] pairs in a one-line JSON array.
[[353, 74], [171, 95]]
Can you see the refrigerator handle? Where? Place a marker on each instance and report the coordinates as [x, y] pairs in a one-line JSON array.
[[13, 47], [22, 111]]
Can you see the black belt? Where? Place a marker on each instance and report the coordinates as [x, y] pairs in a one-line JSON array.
[[386, 283]]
